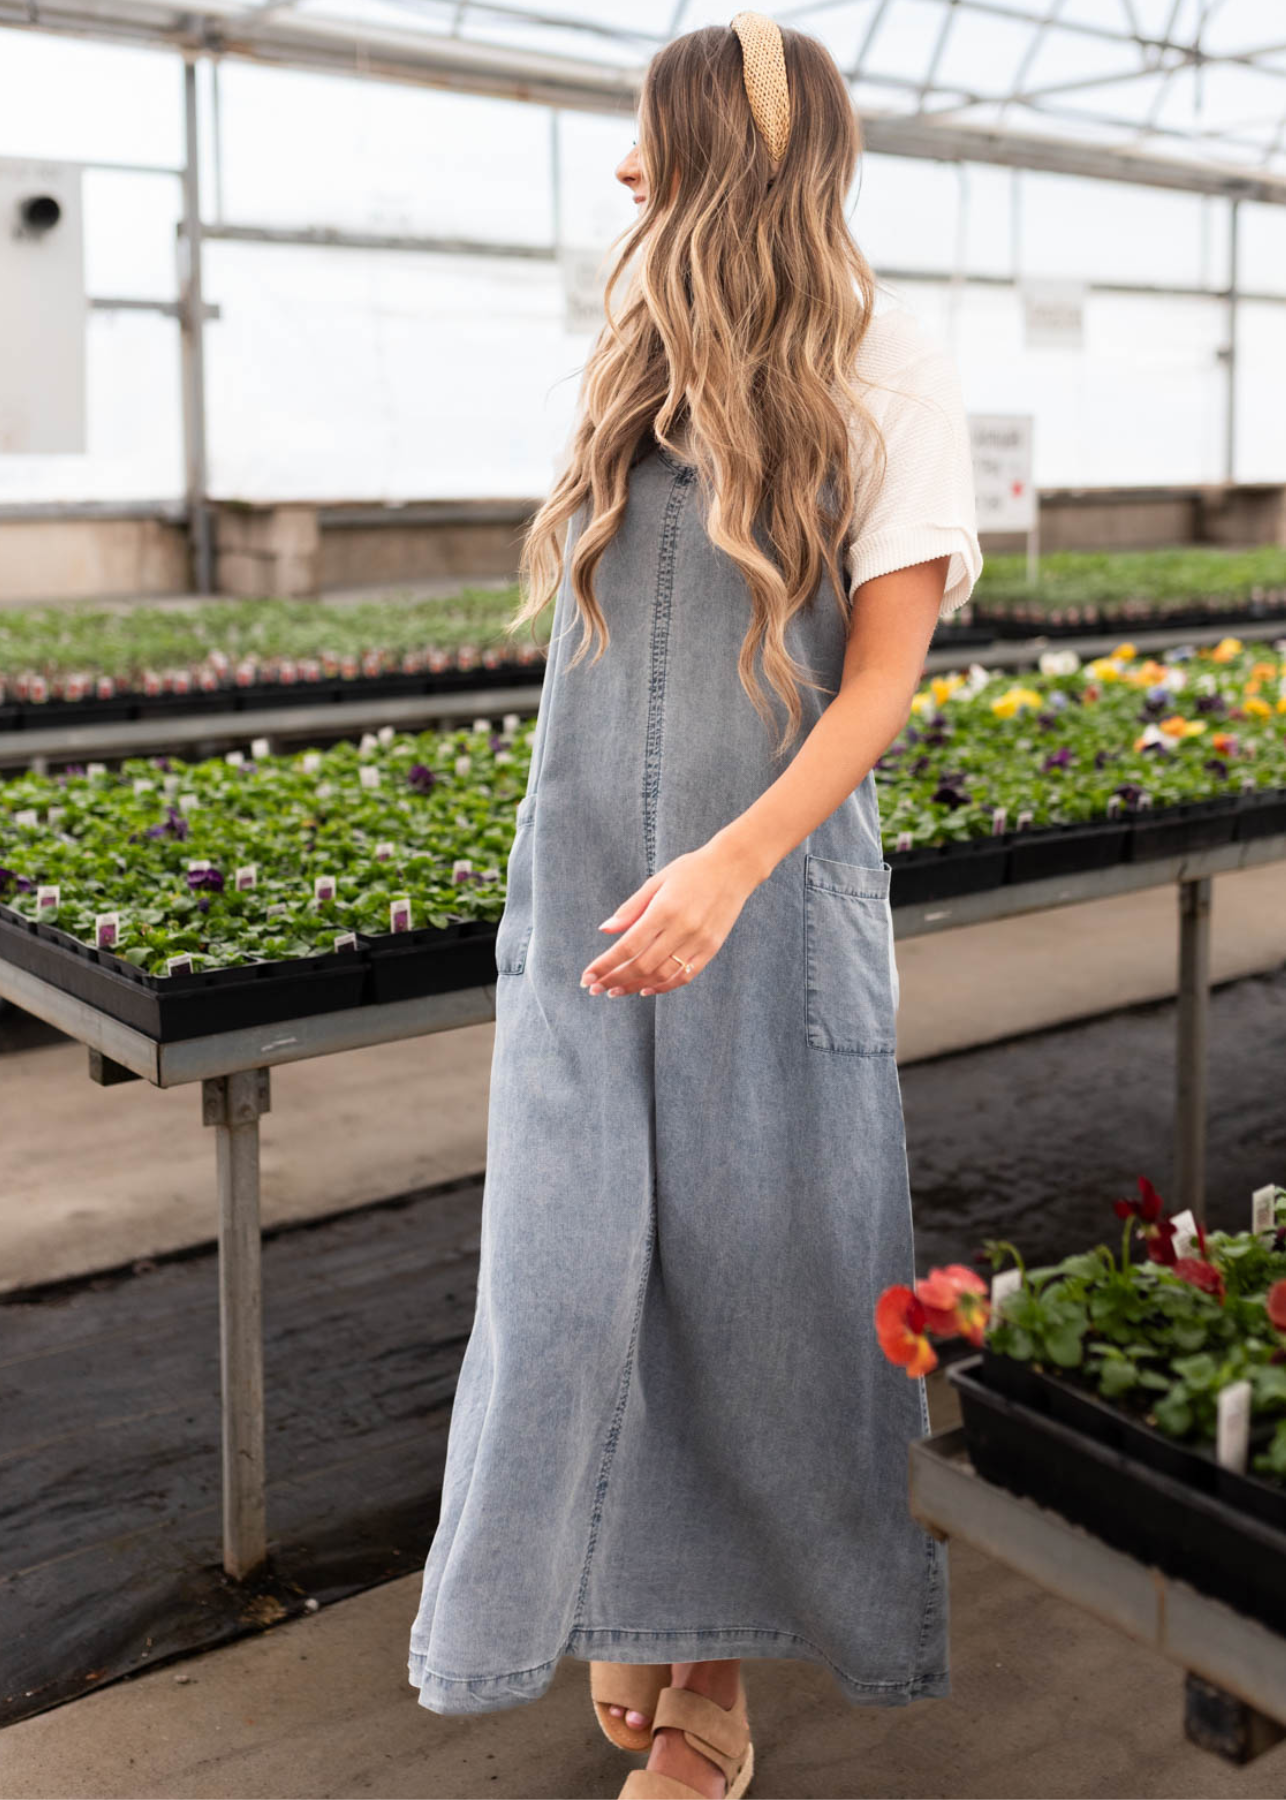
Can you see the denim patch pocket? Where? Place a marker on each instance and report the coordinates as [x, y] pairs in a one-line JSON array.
[[848, 957], [513, 936]]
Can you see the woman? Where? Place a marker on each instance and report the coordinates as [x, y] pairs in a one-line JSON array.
[[675, 1443]]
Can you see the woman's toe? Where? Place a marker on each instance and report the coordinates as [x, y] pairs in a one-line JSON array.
[[638, 1720]]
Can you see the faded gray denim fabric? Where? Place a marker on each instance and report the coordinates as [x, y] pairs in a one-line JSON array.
[[675, 1436]]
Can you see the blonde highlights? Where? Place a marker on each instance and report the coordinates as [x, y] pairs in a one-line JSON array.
[[746, 300]]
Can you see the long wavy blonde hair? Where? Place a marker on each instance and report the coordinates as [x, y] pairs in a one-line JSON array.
[[742, 317]]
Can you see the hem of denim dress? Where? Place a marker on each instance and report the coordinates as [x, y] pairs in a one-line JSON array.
[[453, 1694]]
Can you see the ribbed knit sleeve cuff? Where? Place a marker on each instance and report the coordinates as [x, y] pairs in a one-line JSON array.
[[902, 546]]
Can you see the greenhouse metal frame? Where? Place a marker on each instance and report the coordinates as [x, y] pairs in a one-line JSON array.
[[1109, 123]]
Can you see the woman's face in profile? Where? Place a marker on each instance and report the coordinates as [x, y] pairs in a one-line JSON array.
[[630, 171]]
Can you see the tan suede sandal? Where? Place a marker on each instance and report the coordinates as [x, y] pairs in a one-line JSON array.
[[634, 1686], [720, 1733]]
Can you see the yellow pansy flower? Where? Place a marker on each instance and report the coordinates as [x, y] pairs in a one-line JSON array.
[[944, 686], [1179, 727], [1226, 649], [1103, 669], [1260, 708], [920, 702], [1124, 652], [1016, 697]]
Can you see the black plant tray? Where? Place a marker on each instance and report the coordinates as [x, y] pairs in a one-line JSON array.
[[27, 715], [1222, 1549], [170, 1008], [1188, 826], [1262, 813], [407, 965], [1051, 850], [946, 871], [1083, 1409], [1036, 623]]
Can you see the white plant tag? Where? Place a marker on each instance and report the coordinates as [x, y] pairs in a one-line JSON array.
[[386, 734], [997, 821], [1263, 1209], [511, 722], [1006, 1282], [1024, 820], [310, 762], [92, 769], [143, 786], [482, 725], [198, 868], [246, 878], [347, 940], [385, 852], [503, 756], [461, 866], [1232, 1430], [107, 929], [399, 915], [29, 816], [178, 965], [235, 758], [48, 898], [275, 911], [187, 803], [369, 775], [369, 744], [905, 840], [261, 748], [325, 887], [1185, 1233], [462, 765]]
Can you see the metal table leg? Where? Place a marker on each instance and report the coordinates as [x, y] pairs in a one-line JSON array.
[[1193, 1034], [232, 1104]]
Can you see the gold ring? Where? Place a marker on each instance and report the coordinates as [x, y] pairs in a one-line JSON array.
[[678, 959]]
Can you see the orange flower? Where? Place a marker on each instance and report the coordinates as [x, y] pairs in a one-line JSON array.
[[1277, 1305], [900, 1326], [955, 1301]]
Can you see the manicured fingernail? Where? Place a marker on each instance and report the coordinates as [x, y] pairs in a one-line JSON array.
[[613, 992], [597, 988], [609, 920]]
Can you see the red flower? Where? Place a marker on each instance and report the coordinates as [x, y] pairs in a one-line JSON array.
[[955, 1301], [1277, 1305], [1154, 1228], [900, 1322], [1199, 1271]]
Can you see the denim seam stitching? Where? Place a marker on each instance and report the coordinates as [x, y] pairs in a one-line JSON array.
[[656, 683], [609, 1448], [715, 1631]]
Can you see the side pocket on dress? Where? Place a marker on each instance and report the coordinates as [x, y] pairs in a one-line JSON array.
[[513, 936], [851, 1002]]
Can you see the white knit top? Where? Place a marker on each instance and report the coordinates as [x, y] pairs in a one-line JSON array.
[[924, 507]]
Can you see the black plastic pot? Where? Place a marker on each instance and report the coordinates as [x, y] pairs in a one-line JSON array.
[[331, 691], [171, 1008], [1080, 1407], [1178, 830], [1053, 850], [1172, 1525], [407, 965], [1261, 813], [946, 871]]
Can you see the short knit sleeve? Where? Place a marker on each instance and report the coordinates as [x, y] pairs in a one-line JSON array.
[[924, 507]]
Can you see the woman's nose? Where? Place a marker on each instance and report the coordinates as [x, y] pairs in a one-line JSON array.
[[628, 170]]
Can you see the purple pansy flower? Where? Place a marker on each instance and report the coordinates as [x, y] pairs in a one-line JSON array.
[[205, 878], [421, 778], [1057, 759]]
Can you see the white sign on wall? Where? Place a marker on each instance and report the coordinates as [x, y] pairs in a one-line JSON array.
[[1002, 471], [1054, 315], [582, 289], [43, 309]]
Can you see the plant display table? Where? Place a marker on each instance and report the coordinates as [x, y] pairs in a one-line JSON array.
[[1235, 1666]]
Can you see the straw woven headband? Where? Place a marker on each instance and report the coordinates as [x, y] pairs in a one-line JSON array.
[[763, 67]]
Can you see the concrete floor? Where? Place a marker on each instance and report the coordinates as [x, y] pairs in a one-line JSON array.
[[1047, 1701]]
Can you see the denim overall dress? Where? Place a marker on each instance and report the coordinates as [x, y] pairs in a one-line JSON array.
[[675, 1436]]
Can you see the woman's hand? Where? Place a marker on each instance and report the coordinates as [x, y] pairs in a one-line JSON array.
[[686, 909]]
